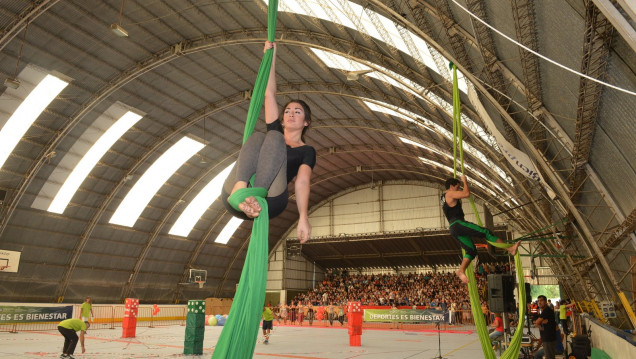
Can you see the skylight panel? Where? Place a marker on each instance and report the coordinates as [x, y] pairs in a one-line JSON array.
[[436, 164], [448, 155], [432, 149], [393, 82], [365, 21], [88, 162], [336, 61], [148, 185], [422, 46], [312, 8], [397, 39], [406, 115], [394, 79], [28, 111], [229, 229], [409, 116], [192, 214], [345, 10], [342, 16], [370, 29]]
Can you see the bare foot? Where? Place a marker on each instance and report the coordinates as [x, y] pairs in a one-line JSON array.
[[462, 276], [513, 250], [250, 207]]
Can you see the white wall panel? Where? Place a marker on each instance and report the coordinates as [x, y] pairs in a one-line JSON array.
[[275, 265], [320, 221], [405, 207], [357, 212]]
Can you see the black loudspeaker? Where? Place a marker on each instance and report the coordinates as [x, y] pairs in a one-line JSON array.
[[501, 293], [528, 295], [581, 347]]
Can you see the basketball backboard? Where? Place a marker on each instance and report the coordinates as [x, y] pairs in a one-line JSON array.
[[9, 261], [198, 276]]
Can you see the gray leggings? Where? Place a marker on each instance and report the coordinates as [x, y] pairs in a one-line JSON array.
[[266, 156]]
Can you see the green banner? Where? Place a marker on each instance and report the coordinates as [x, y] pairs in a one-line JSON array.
[[403, 315], [23, 314]]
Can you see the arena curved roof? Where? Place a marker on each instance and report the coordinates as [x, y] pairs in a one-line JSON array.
[[376, 76]]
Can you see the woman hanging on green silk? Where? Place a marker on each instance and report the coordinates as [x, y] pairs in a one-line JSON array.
[[461, 230], [275, 158]]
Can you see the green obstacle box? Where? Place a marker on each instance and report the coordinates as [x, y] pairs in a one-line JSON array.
[[195, 328]]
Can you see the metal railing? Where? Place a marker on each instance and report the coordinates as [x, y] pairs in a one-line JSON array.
[[110, 317], [459, 321]]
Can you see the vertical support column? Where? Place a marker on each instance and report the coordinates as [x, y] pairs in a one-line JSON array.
[[381, 204], [195, 328], [129, 322], [355, 324], [331, 219]]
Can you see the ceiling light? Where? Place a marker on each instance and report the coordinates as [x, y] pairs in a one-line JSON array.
[[116, 27], [28, 111], [148, 185], [355, 75], [12, 83], [118, 30]]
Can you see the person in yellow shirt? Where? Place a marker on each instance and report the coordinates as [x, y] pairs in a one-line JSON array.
[[268, 323], [87, 309], [68, 329], [563, 308]]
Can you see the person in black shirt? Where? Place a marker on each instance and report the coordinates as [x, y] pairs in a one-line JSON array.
[[547, 326], [461, 230], [275, 158]]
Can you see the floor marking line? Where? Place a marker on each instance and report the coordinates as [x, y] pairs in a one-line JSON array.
[[463, 346], [287, 356]]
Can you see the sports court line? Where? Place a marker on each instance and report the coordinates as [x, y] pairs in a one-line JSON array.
[[463, 346], [111, 340], [287, 356]]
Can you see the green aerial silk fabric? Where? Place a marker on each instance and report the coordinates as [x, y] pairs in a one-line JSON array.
[[238, 338], [480, 323]]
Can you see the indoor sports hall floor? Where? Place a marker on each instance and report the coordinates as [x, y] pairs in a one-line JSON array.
[[285, 342]]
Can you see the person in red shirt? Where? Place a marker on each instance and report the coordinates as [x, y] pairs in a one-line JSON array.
[[499, 329]]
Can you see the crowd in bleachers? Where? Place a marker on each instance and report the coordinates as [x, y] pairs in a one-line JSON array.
[[441, 290]]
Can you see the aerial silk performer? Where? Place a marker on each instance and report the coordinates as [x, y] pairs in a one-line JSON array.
[[480, 322], [239, 335]]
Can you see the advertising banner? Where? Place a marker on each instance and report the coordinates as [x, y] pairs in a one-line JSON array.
[[28, 314], [519, 160], [403, 315]]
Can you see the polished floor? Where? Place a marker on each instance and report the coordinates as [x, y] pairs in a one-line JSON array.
[[285, 342]]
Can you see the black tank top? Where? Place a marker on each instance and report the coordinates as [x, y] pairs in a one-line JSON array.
[[452, 213]]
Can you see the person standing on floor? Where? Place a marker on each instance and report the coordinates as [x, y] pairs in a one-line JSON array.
[[86, 312], [268, 323], [547, 327], [563, 308]]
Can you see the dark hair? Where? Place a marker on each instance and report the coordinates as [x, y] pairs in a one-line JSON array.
[[307, 110], [451, 182], [542, 296]]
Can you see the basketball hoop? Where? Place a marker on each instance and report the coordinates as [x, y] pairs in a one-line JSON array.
[[200, 283], [3, 267]]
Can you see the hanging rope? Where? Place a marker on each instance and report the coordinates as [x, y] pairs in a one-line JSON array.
[[480, 323], [238, 338]]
